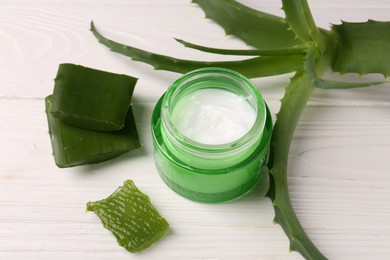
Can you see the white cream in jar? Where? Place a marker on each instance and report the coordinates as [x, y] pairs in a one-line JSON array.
[[213, 116]]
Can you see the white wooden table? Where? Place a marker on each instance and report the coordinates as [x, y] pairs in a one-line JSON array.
[[339, 165]]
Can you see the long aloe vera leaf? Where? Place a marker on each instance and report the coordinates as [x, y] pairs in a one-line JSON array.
[[83, 97], [364, 47], [300, 19], [298, 49], [293, 103], [131, 217], [310, 69], [75, 146], [255, 67], [256, 28]]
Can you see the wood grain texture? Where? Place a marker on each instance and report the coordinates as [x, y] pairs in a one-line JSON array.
[[339, 164]]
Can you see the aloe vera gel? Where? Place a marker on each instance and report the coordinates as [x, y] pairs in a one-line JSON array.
[[211, 133]]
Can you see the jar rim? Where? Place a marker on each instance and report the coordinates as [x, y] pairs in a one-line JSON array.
[[185, 82]]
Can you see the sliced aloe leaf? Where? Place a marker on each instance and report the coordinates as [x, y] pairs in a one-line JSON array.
[[298, 49], [256, 28], [131, 217], [75, 146], [90, 98], [363, 47], [255, 67]]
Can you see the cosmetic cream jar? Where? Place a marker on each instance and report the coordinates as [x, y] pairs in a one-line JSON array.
[[188, 132]]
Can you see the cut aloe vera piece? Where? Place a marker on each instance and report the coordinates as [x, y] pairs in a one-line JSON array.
[[91, 99], [131, 217], [75, 146]]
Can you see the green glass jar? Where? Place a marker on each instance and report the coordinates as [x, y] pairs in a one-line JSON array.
[[210, 172]]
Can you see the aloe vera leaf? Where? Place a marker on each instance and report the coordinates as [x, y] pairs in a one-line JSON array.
[[75, 146], [300, 19], [310, 68], [298, 49], [131, 217], [363, 47], [334, 84], [256, 28], [255, 67], [83, 97], [293, 103]]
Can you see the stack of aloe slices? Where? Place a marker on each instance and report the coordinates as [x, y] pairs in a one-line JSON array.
[[89, 115], [91, 120]]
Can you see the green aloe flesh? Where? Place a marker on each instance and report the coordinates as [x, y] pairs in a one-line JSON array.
[[91, 98], [76, 146], [131, 217], [282, 44]]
